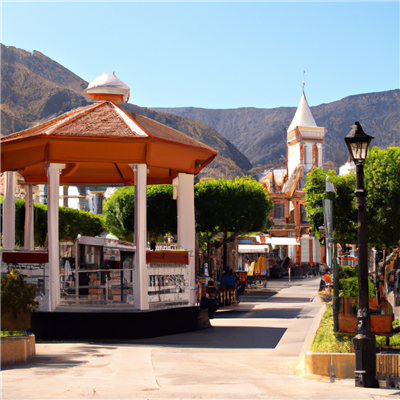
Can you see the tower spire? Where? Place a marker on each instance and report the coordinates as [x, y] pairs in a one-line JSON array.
[[304, 78]]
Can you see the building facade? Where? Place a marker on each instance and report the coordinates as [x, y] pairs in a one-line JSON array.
[[304, 150]]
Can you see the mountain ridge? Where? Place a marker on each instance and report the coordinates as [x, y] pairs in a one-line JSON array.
[[260, 133], [36, 88]]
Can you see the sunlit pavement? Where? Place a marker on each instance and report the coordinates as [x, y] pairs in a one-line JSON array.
[[252, 351]]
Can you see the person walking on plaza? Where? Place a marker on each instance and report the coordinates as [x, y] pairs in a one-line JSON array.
[[328, 281]]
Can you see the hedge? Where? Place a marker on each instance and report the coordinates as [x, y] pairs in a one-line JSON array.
[[71, 222]]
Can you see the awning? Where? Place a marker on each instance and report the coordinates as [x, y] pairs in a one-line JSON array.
[[253, 248], [284, 241], [264, 247]]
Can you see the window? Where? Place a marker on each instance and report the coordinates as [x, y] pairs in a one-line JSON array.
[[303, 214], [279, 210]]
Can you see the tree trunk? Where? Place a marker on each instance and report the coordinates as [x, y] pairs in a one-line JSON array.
[[235, 251], [383, 269], [225, 266], [197, 263], [209, 254]]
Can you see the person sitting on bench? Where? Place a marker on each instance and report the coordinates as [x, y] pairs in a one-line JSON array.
[[228, 280]]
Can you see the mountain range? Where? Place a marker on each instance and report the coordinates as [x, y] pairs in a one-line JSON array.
[[35, 88], [260, 133]]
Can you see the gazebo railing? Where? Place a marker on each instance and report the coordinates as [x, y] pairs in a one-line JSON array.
[[97, 287], [36, 273], [168, 285]]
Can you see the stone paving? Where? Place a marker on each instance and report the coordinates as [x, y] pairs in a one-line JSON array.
[[252, 351]]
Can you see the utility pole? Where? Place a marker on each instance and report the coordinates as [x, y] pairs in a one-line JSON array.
[[331, 251], [357, 142]]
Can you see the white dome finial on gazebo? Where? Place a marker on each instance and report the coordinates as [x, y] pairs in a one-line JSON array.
[[108, 88]]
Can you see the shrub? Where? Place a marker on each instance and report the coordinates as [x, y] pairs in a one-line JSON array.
[[17, 295], [349, 271], [350, 287]]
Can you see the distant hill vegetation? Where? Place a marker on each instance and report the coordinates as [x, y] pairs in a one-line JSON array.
[[261, 133], [34, 88]]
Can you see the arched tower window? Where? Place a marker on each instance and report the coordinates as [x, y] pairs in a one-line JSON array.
[[315, 156]]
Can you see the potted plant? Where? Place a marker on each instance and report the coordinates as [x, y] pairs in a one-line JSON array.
[[17, 302]]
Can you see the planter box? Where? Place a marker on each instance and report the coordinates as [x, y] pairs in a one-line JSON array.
[[21, 323], [344, 365], [380, 324], [39, 257], [17, 349], [167, 257]]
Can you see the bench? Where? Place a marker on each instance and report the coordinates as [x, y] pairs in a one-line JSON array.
[[228, 297]]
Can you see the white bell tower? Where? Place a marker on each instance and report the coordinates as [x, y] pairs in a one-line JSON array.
[[305, 141]]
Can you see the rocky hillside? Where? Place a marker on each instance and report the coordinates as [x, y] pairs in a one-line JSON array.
[[35, 88], [261, 133]]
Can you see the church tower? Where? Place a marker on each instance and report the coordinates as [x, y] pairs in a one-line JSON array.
[[305, 142]]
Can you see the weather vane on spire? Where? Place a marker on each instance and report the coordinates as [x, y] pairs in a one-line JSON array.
[[304, 74]]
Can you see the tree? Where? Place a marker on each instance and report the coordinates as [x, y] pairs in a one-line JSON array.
[[315, 192], [344, 207], [241, 205], [119, 212], [344, 212], [161, 211], [382, 181]]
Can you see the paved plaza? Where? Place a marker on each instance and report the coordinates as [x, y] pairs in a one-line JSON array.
[[252, 351]]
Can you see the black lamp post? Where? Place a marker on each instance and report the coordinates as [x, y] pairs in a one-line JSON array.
[[357, 142]]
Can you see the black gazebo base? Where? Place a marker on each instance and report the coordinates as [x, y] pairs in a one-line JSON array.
[[116, 325]]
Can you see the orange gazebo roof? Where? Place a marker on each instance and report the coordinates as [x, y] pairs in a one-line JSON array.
[[97, 143]]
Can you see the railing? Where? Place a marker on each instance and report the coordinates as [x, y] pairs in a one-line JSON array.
[[36, 273], [168, 285], [97, 287], [388, 369]]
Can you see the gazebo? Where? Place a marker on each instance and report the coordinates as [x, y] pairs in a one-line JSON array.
[[101, 144]]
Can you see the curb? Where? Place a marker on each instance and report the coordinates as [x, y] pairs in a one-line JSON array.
[[300, 366]]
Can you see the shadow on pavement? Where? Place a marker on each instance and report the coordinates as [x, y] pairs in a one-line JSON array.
[[278, 299], [281, 313], [63, 360], [222, 337], [49, 361]]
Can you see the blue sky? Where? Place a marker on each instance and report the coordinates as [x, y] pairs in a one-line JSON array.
[[217, 54]]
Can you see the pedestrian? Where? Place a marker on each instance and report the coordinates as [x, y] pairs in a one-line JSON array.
[[246, 265], [240, 285], [391, 281], [228, 280]]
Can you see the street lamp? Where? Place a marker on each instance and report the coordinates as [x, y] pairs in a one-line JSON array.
[[357, 142]]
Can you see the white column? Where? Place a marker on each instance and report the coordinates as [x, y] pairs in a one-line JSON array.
[[29, 239], [320, 160], [186, 224], [53, 197], [9, 211], [140, 280]]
